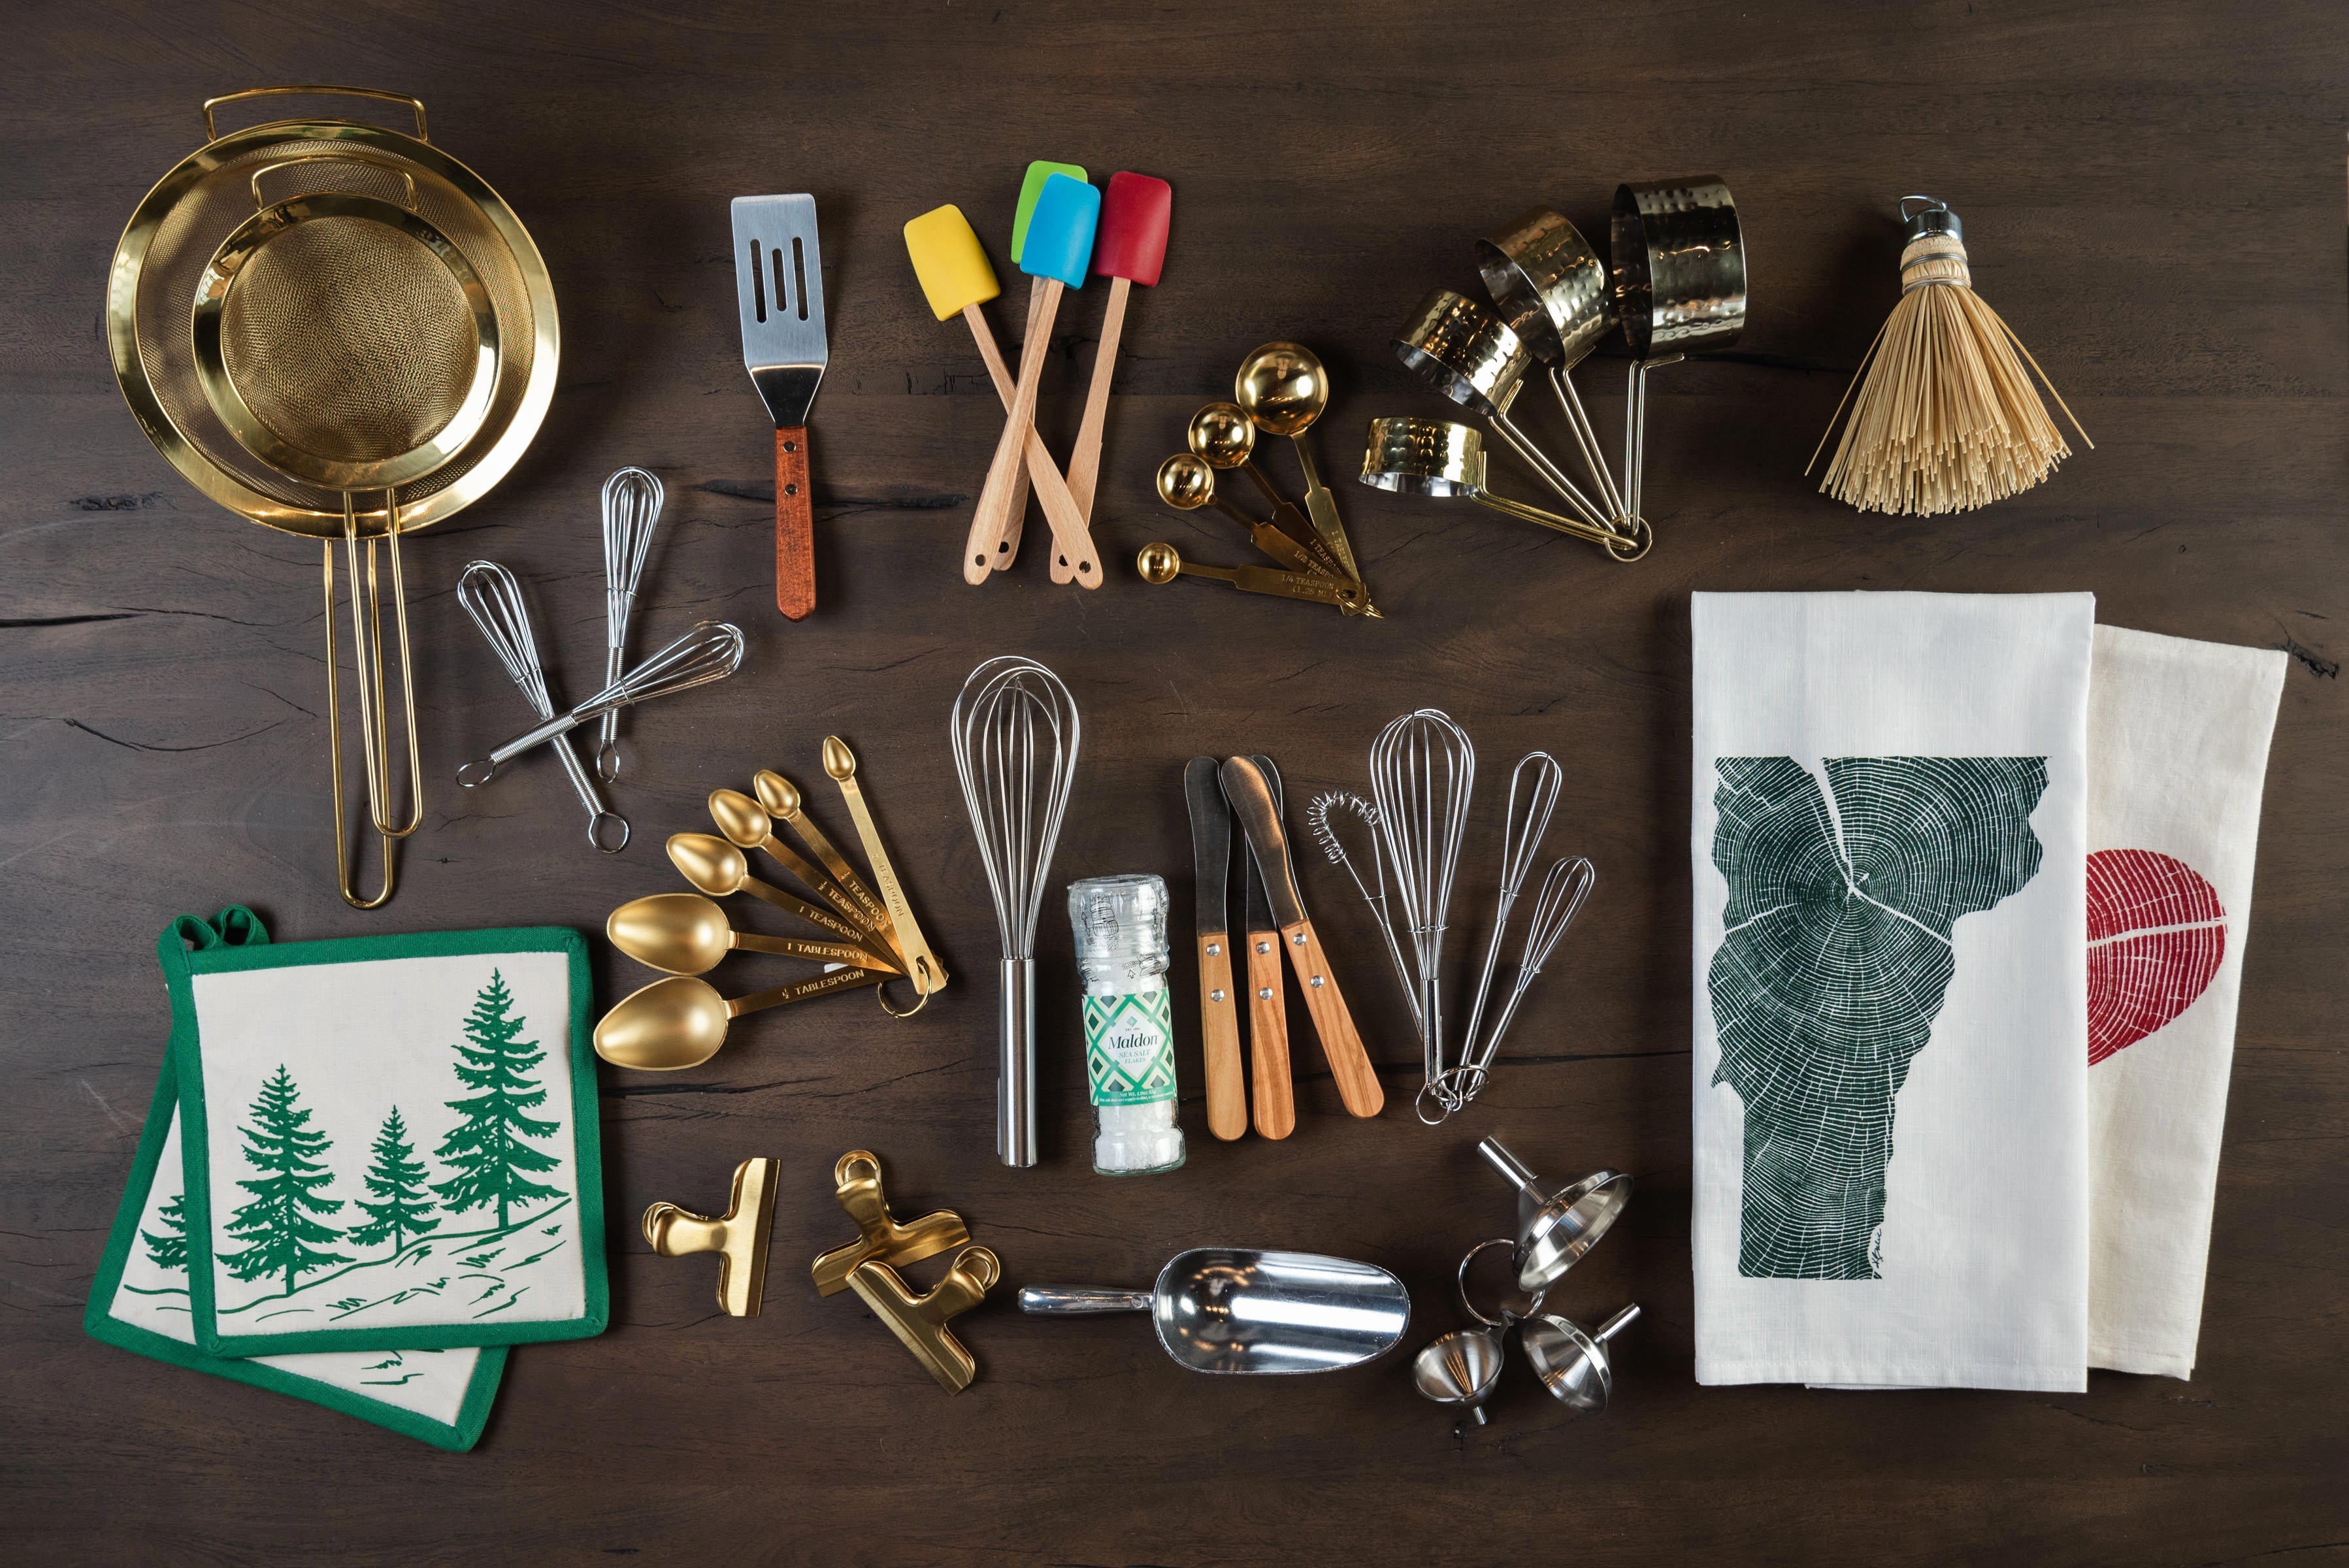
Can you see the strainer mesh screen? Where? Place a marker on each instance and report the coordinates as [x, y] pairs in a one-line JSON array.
[[349, 339], [185, 239]]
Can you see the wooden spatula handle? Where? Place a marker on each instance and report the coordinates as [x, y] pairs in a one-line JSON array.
[[794, 526], [1358, 1081], [1219, 1036], [1084, 460], [992, 517], [1276, 1103]]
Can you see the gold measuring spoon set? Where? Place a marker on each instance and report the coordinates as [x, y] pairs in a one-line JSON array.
[[866, 938], [1281, 390]]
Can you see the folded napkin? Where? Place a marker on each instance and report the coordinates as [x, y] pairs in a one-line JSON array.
[[389, 1142], [2178, 748], [1890, 1039], [140, 1301]]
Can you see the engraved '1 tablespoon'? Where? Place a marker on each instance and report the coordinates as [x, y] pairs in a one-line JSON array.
[[686, 934], [680, 1022]]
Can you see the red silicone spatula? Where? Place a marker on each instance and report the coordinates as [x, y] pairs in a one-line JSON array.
[[1130, 248]]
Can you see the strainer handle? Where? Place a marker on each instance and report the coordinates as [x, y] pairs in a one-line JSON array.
[[314, 90], [259, 204]]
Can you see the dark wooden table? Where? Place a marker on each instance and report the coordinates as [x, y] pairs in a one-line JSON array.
[[2153, 197]]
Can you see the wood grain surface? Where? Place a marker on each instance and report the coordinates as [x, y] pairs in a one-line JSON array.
[[2153, 196]]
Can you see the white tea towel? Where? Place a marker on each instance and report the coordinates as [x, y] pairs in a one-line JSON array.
[[2177, 750], [1890, 1050]]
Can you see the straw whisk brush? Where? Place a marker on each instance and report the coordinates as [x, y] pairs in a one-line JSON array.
[[1946, 418]]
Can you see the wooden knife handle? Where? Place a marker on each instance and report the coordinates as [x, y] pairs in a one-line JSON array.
[[794, 526], [1276, 1104], [1357, 1082], [1219, 1035]]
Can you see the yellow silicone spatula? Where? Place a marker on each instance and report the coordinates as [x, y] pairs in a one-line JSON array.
[[952, 268]]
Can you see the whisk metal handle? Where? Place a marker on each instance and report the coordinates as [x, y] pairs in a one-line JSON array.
[[601, 818], [1015, 1106]]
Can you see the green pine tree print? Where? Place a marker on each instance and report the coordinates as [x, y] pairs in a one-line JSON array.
[[281, 1236], [397, 1177], [486, 1149], [170, 1250]]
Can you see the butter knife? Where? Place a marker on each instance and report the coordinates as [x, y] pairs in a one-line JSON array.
[[1219, 1024]]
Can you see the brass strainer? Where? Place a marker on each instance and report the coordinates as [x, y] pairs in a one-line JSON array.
[[338, 331], [349, 339]]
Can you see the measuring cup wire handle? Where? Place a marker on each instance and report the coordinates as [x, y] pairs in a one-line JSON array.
[[1080, 1301], [1549, 472], [1594, 533], [1586, 437]]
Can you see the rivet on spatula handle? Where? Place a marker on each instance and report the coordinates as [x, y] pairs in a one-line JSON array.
[[794, 527]]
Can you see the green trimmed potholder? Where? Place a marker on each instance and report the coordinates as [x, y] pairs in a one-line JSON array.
[[140, 1301], [390, 1142]]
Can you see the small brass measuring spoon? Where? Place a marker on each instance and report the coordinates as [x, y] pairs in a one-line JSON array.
[[680, 1022], [1186, 483], [1225, 438], [1439, 457], [686, 934], [746, 825], [1161, 563], [718, 868], [782, 799], [1283, 388], [922, 966]]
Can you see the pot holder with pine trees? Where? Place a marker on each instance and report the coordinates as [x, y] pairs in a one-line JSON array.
[[139, 1300], [389, 1142]]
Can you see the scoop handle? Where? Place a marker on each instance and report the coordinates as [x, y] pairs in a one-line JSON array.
[[1080, 1301]]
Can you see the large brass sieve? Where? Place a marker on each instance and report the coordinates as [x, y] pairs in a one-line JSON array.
[[335, 330]]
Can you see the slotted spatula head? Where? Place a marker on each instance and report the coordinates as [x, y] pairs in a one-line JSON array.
[[779, 284]]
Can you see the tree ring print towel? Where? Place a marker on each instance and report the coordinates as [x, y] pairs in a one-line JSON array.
[[389, 1142], [1889, 1054], [2177, 735]]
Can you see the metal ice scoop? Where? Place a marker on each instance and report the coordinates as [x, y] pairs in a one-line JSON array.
[[1220, 1309]]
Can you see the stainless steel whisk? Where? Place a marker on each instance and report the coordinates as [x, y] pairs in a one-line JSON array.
[[632, 509], [1423, 772], [1564, 887], [711, 650], [1534, 788], [492, 599], [1015, 731]]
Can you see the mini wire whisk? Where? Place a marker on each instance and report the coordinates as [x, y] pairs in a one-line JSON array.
[[492, 599], [632, 510], [1423, 772], [1564, 887], [1534, 788], [1015, 731], [711, 650]]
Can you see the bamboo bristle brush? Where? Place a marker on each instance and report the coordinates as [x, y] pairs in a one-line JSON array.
[[1946, 418]]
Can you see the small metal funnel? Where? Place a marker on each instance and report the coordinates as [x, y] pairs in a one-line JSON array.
[[1461, 1369], [1571, 1362], [1556, 1228]]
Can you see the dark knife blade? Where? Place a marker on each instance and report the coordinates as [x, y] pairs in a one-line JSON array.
[[1250, 794], [1211, 846], [1259, 907]]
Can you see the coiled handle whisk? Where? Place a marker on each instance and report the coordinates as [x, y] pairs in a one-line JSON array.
[[1015, 731], [632, 510], [492, 600], [710, 652]]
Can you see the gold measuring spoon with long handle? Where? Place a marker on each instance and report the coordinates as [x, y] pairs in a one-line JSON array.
[[680, 1022], [718, 868], [1223, 438], [922, 966], [782, 799], [745, 825], [1283, 388], [686, 934], [1186, 483], [1161, 563]]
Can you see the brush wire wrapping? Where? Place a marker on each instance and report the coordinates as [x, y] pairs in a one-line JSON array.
[[1947, 419]]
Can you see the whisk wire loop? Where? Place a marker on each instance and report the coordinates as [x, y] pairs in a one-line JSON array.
[[632, 501]]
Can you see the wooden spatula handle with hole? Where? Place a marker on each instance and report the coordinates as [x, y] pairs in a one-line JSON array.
[[1358, 1081], [794, 526], [1073, 549], [1276, 1102], [1219, 1039], [993, 518], [992, 358]]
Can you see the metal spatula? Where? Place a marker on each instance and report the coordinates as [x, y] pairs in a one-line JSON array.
[[779, 284]]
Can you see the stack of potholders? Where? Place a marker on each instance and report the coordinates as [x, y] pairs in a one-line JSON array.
[[370, 1167], [1908, 959]]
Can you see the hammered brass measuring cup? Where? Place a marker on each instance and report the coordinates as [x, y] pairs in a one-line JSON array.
[[1469, 355], [1439, 457], [1552, 290], [1679, 279]]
